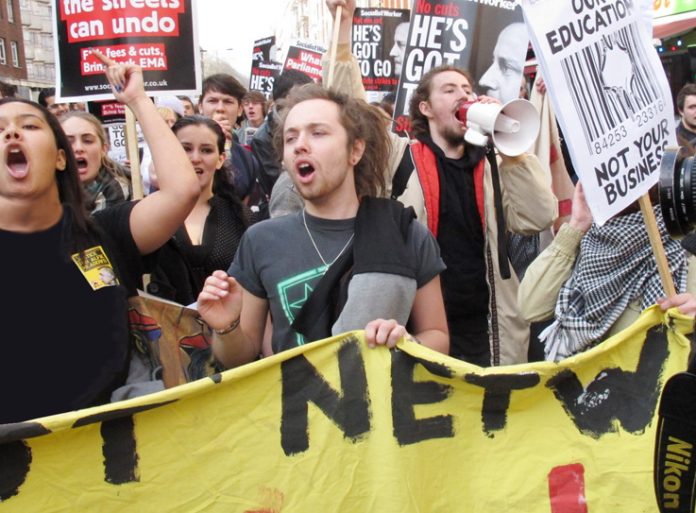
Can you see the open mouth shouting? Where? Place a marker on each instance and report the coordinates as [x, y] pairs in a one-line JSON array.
[[16, 162], [81, 165], [305, 171]]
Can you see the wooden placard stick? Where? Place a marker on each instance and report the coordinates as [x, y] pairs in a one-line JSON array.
[[131, 137], [334, 45], [133, 155], [656, 243]]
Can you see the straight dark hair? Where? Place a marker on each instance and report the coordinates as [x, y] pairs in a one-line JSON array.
[[69, 186], [225, 84], [68, 180], [222, 185]]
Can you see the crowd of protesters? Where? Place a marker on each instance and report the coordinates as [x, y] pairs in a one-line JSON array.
[[253, 203]]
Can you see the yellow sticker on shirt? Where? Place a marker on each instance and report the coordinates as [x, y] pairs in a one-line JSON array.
[[96, 267]]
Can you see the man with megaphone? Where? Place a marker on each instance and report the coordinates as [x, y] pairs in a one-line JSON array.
[[454, 194], [469, 208]]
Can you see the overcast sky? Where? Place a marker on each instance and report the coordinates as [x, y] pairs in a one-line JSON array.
[[235, 24]]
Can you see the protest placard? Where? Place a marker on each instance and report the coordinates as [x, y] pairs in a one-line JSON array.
[[377, 40], [610, 94], [264, 68], [112, 114], [461, 33], [160, 37], [305, 56]]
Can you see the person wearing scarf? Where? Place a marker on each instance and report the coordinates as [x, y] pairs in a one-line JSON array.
[[594, 281]]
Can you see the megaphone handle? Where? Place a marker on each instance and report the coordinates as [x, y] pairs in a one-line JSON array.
[[503, 262]]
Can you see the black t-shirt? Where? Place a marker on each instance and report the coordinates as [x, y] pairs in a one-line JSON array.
[[461, 240], [65, 343]]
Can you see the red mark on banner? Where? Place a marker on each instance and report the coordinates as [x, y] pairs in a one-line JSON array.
[[567, 489]]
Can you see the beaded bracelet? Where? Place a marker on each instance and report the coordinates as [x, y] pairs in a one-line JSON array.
[[229, 328]]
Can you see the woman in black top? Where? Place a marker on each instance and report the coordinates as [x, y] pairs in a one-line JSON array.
[[65, 326], [209, 237]]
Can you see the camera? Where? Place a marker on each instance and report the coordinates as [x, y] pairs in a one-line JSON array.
[[677, 191]]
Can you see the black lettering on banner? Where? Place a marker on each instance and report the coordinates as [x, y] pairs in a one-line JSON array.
[[496, 396], [302, 383], [612, 394], [406, 393], [119, 450], [15, 458], [119, 446], [602, 106], [15, 455]]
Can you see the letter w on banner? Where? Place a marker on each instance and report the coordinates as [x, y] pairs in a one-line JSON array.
[[609, 91], [335, 426]]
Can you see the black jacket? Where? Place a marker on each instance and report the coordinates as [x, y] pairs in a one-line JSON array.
[[263, 150]]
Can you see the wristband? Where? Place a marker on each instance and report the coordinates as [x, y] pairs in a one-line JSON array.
[[229, 328], [565, 207]]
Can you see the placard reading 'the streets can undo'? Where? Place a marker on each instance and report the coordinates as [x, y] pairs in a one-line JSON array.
[[160, 37]]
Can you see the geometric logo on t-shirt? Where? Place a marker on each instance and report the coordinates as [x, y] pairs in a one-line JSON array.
[[294, 292]]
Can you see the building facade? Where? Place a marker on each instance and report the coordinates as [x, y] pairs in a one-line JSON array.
[[13, 68], [37, 25]]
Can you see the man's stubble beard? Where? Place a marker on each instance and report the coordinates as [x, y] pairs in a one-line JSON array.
[[453, 137]]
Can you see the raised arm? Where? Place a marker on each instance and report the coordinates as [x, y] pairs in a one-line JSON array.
[[156, 217], [348, 9], [347, 78]]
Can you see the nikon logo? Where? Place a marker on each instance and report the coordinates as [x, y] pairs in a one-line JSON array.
[[677, 461]]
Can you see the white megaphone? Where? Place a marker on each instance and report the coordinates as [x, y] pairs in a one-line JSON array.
[[513, 127]]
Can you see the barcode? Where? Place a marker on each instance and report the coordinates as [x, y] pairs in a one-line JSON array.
[[609, 82]]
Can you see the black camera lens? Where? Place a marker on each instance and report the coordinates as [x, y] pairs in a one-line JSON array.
[[678, 192]]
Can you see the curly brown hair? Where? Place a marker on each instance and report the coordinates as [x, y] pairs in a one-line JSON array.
[[419, 123], [361, 122]]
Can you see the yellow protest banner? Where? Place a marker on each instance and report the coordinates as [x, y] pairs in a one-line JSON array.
[[336, 426]]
